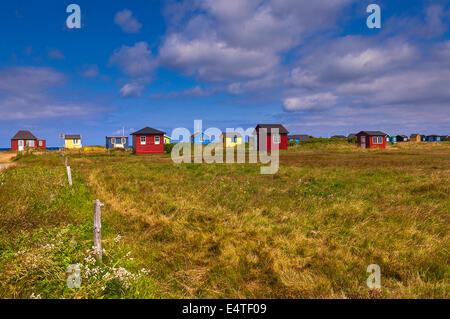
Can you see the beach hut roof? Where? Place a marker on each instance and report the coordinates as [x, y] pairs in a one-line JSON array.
[[149, 131], [269, 127], [72, 136], [24, 135], [373, 133]]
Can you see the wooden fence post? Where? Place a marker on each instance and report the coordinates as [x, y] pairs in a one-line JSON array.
[[98, 230], [69, 175], [66, 162]]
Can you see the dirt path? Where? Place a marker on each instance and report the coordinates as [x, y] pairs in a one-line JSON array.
[[5, 158]]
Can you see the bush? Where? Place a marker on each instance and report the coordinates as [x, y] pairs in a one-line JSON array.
[[168, 147], [292, 143], [352, 140]]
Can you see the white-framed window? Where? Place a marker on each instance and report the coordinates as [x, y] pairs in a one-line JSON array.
[[124, 140], [41, 143], [157, 139], [377, 140], [143, 140], [113, 140], [276, 139], [30, 143], [201, 139], [76, 141]]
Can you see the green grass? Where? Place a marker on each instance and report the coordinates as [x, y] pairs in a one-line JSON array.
[[225, 231]]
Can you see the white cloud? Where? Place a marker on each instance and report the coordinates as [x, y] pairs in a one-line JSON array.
[[55, 54], [213, 60], [127, 22], [89, 71], [233, 40], [318, 101], [134, 61], [23, 95], [132, 90], [196, 91], [358, 72]]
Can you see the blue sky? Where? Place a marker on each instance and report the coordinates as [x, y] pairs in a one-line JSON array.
[[313, 66]]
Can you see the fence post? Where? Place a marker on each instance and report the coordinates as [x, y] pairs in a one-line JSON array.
[[66, 162], [69, 175], [98, 230]]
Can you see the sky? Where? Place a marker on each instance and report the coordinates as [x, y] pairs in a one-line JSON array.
[[313, 66]]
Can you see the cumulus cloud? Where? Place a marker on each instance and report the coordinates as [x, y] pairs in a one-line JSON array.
[[435, 21], [233, 40], [137, 62], [127, 22], [392, 120], [89, 71], [134, 61], [213, 60], [24, 95], [318, 101], [196, 91], [132, 90], [371, 74], [351, 83], [55, 54]]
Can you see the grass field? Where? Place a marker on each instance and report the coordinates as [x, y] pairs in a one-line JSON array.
[[225, 230]]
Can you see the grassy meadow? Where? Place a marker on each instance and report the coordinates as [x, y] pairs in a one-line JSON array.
[[225, 230]]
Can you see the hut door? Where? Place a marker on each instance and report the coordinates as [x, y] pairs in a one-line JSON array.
[[21, 145], [363, 141]]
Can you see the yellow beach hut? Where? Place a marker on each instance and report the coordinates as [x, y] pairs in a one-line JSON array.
[[231, 139], [167, 139], [416, 138], [72, 141]]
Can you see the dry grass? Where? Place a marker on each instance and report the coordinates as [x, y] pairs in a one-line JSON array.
[[310, 231], [5, 157]]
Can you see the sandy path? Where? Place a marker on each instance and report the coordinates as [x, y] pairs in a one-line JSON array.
[[5, 157]]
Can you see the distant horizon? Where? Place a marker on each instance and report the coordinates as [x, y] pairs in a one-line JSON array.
[[313, 66], [176, 141]]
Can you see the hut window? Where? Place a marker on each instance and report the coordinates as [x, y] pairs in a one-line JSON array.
[[113, 140], [30, 143], [157, 139], [143, 140], [276, 139], [76, 141], [377, 140], [40, 143], [124, 140]]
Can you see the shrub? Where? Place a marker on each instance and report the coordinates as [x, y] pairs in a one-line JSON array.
[[168, 147]]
